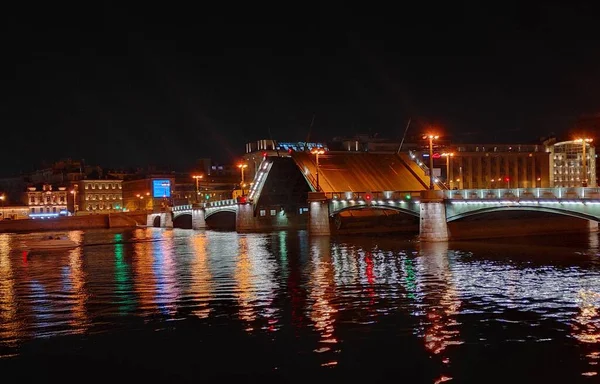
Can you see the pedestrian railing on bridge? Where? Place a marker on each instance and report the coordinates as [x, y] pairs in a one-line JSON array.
[[523, 194], [221, 203], [373, 196]]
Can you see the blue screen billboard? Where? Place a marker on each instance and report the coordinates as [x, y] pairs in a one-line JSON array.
[[161, 188]]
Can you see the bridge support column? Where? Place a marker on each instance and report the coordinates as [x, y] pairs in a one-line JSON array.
[[318, 214], [244, 219], [593, 225], [166, 220], [198, 219], [433, 225], [150, 219]]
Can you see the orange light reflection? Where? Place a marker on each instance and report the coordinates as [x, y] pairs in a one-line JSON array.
[[321, 292], [202, 285], [586, 327]]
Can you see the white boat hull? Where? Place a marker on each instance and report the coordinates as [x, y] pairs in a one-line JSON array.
[[50, 245]]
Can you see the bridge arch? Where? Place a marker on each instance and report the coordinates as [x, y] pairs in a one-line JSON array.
[[211, 212], [156, 221], [182, 220], [558, 211], [381, 207]]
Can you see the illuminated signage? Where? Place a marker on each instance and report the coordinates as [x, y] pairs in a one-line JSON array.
[[161, 188]]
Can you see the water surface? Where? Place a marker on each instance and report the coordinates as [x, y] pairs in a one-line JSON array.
[[154, 304]]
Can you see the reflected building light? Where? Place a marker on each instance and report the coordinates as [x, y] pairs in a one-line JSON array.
[[442, 304], [143, 273], [321, 291], [165, 273], [123, 279], [245, 291], [202, 284], [80, 320], [9, 325], [586, 328]]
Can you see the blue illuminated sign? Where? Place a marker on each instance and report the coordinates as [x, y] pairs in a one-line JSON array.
[[161, 188]]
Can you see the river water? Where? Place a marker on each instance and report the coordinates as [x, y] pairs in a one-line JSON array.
[[154, 305]]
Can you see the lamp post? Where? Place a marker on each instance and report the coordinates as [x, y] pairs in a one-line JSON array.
[[197, 177], [74, 193], [448, 179], [317, 152], [431, 138], [584, 142], [242, 167]]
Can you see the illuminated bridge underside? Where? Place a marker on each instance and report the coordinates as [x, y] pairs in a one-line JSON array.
[[352, 171], [589, 210]]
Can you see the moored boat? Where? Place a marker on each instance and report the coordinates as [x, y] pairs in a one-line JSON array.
[[50, 243]]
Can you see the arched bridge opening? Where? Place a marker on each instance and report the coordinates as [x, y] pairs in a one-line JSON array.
[[496, 222], [223, 220], [156, 221], [374, 219], [183, 221]]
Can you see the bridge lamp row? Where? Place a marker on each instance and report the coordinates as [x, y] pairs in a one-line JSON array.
[[375, 202]]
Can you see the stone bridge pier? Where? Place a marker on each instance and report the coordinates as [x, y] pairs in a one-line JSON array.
[[198, 218], [433, 225]]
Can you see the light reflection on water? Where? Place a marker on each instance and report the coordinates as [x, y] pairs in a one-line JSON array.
[[448, 297]]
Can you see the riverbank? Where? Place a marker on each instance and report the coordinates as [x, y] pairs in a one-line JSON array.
[[67, 223]]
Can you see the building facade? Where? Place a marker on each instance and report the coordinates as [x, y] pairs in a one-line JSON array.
[[567, 165], [484, 166], [149, 193], [46, 201], [98, 196], [13, 212]]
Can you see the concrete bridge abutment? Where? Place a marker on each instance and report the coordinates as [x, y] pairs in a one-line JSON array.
[[318, 214], [433, 225], [244, 219], [198, 218]]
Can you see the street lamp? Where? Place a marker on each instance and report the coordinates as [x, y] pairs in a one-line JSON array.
[[140, 199], [448, 179], [584, 142], [431, 137], [197, 177], [74, 193], [242, 167], [317, 152]]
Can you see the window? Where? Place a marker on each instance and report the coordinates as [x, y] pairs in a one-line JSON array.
[[54, 210], [48, 199], [32, 199], [263, 212], [87, 186], [273, 212]]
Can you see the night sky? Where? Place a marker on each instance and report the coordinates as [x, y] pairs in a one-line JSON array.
[[163, 86]]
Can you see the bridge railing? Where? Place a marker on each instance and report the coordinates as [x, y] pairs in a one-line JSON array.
[[221, 203], [425, 168], [374, 196], [523, 193]]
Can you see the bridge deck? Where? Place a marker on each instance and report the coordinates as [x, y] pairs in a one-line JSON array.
[[359, 171]]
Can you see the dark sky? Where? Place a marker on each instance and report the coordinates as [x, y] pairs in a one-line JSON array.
[[166, 85]]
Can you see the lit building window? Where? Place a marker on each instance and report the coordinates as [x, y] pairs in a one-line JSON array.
[[263, 212]]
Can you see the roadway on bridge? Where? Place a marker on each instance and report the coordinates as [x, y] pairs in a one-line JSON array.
[[360, 172]]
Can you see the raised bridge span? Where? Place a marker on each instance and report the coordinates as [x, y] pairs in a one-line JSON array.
[[357, 181]]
